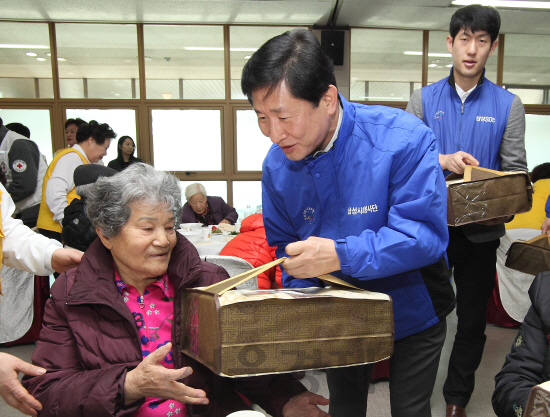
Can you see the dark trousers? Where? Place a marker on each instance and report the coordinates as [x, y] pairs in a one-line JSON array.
[[474, 270], [413, 370]]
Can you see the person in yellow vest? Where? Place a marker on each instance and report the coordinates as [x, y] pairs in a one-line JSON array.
[[58, 189], [24, 249]]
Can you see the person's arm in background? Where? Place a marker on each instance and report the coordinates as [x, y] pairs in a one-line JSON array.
[[546, 224], [512, 148], [24, 159], [524, 365], [230, 215], [60, 183]]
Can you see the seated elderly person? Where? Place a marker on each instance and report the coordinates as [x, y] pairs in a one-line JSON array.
[[206, 210], [527, 364], [110, 338]]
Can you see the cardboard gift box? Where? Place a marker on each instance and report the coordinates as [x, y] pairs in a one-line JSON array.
[[538, 404], [484, 194], [531, 257], [252, 332]]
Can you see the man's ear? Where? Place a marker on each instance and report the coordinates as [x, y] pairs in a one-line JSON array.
[[450, 42], [493, 47], [105, 240], [330, 99]]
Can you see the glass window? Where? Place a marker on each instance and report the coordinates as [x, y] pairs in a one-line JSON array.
[[537, 127], [245, 40], [440, 60], [184, 62], [252, 145], [526, 63], [247, 198], [25, 63], [382, 67], [100, 60], [38, 122], [213, 188], [122, 121], [187, 140]]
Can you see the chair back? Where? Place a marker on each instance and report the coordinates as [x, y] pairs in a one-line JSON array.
[[234, 266]]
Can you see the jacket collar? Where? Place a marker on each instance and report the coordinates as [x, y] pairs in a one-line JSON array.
[[94, 281], [452, 82]]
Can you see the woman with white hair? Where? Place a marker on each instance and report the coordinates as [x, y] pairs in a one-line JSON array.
[[111, 339], [204, 209]]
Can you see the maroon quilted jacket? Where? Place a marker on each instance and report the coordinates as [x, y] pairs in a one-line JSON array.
[[89, 341]]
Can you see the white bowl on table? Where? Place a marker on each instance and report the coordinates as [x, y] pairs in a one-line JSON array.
[[192, 236], [217, 237], [190, 226]]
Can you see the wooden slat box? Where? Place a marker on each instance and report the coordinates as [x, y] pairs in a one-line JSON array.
[[484, 194], [531, 257], [252, 332]]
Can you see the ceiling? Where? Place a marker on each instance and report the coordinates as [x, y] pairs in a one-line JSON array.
[[412, 14]]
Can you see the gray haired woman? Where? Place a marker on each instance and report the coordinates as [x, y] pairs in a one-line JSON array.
[[110, 342], [206, 209]]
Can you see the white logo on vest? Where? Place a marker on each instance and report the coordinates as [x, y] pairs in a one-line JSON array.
[[19, 165]]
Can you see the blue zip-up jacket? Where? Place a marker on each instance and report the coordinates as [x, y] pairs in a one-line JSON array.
[[475, 127], [380, 194]]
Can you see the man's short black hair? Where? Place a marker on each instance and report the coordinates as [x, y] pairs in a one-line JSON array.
[[19, 128], [295, 58], [99, 132], [78, 122], [476, 17]]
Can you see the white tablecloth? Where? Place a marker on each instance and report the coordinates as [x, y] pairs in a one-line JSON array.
[[209, 247]]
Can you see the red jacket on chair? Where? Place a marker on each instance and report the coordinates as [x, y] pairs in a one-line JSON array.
[[251, 245]]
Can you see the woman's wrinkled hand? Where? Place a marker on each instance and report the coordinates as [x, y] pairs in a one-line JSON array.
[[11, 389], [151, 379]]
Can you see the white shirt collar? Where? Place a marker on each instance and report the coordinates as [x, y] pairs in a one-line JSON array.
[[335, 136], [463, 94]]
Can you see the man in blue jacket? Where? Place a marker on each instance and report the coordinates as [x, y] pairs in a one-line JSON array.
[[355, 191], [477, 123]]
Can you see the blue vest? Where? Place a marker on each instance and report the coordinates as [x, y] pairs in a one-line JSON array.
[[476, 127]]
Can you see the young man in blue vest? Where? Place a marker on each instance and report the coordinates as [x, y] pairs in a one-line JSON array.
[[355, 191], [477, 123]]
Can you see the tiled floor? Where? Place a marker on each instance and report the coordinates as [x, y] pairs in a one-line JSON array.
[[499, 341]]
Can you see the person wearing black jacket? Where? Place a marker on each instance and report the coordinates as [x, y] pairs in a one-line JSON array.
[[78, 231], [528, 364], [125, 158]]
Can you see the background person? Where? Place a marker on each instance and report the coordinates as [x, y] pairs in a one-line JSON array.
[[23, 167], [205, 209], [129, 284], [21, 248], [93, 140], [546, 224], [19, 128], [71, 127], [477, 123], [125, 158], [355, 191], [78, 231], [527, 364]]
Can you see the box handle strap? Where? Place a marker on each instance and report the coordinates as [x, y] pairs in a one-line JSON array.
[[539, 237], [223, 286]]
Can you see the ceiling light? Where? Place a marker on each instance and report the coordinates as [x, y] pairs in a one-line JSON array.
[[505, 3], [148, 58], [48, 54], [449, 65], [432, 65], [61, 59], [40, 58], [20, 46], [247, 56], [30, 54], [533, 79], [432, 54], [166, 96]]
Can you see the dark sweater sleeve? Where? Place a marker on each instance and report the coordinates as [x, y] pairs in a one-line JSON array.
[[523, 368], [24, 159], [229, 213]]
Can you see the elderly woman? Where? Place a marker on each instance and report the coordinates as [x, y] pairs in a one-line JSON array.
[[58, 189], [110, 341], [206, 210]]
